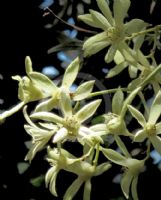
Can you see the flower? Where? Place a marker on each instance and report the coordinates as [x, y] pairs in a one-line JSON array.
[[71, 124], [150, 128], [114, 29], [63, 160], [130, 176]]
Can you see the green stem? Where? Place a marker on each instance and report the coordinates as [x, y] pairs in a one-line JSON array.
[[95, 161], [10, 112]]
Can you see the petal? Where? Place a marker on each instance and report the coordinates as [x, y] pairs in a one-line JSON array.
[[158, 128], [134, 188], [126, 182], [87, 190], [47, 105], [88, 110], [142, 59], [65, 104], [83, 91], [140, 136], [95, 44], [73, 189], [71, 73], [87, 19], [116, 70], [117, 102], [156, 141], [43, 83], [110, 54], [155, 109], [120, 9], [28, 65], [60, 135], [103, 6], [100, 169], [133, 71], [137, 115], [100, 20], [47, 116], [99, 127]]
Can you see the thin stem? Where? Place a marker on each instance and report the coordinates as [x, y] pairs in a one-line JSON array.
[[95, 161], [71, 25]]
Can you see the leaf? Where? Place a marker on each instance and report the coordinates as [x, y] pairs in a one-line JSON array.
[[70, 73], [117, 102], [88, 110], [156, 141], [87, 190], [110, 54], [65, 104], [137, 115], [28, 65], [38, 181], [73, 189], [155, 109], [100, 20], [22, 167], [120, 8], [116, 70], [87, 19], [103, 6], [126, 182], [47, 116], [83, 91], [43, 83]]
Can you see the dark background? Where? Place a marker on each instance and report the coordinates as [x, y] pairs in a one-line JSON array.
[[22, 33]]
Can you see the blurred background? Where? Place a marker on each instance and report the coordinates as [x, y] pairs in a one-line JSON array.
[[28, 29]]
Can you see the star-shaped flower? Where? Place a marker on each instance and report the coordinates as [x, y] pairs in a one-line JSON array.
[[150, 128], [114, 29]]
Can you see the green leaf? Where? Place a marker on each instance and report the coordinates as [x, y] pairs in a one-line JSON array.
[[117, 70], [47, 116], [155, 109], [43, 83], [110, 54], [120, 9], [100, 20], [73, 189], [83, 91], [38, 181], [95, 44], [65, 104], [28, 65], [137, 115], [126, 182], [71, 73], [103, 6], [87, 19], [87, 190], [156, 141], [134, 188], [117, 102], [88, 110], [22, 167]]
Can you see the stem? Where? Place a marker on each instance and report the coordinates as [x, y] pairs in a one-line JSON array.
[[71, 25], [10, 112], [154, 29], [95, 161]]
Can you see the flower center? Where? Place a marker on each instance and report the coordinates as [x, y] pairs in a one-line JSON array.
[[150, 129], [115, 35], [72, 125]]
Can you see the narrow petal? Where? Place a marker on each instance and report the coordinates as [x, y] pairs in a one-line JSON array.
[[158, 128], [126, 182], [134, 188], [87, 190], [71, 73], [156, 141], [116, 70], [140, 136], [47, 105], [117, 102], [60, 135], [100, 169], [137, 115], [120, 9], [73, 189], [83, 91], [65, 104], [88, 110], [99, 127], [87, 19], [103, 6], [155, 109], [100, 20], [110, 54], [28, 65], [47, 116]]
